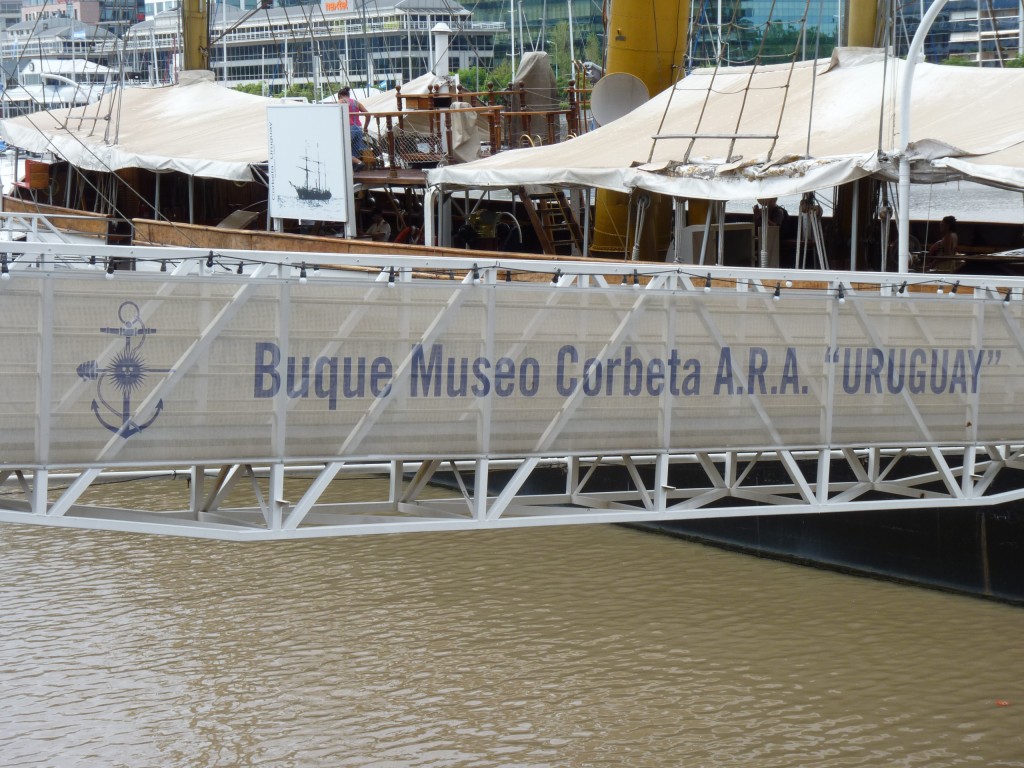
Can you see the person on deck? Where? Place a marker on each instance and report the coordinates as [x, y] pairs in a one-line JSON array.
[[355, 130], [948, 243], [379, 229], [776, 213]]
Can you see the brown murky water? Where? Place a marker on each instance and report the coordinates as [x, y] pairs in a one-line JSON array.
[[579, 646]]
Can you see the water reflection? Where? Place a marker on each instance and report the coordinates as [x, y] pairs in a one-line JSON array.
[[549, 647]]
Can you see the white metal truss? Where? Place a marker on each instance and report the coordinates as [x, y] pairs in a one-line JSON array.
[[510, 493], [292, 498]]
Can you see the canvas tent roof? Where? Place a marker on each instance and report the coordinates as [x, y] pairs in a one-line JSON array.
[[196, 127], [967, 121]]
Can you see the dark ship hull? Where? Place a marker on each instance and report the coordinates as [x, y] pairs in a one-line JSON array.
[[976, 551]]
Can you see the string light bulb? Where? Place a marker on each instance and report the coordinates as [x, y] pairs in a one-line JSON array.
[[302, 273], [903, 288], [391, 277], [953, 290], [209, 261], [163, 265], [240, 270], [841, 294], [707, 283], [110, 269], [778, 292], [556, 277], [1006, 300], [5, 273], [476, 275], [508, 275], [636, 279]]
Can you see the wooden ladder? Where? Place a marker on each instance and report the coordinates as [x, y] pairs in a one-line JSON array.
[[553, 221]]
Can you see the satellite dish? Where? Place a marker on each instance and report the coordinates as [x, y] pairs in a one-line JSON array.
[[616, 95]]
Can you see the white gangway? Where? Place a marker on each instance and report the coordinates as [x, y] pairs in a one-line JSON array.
[[538, 392]]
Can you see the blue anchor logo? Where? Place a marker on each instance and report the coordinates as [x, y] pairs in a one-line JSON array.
[[126, 373]]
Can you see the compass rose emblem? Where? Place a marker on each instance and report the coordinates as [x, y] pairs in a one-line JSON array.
[[124, 376]]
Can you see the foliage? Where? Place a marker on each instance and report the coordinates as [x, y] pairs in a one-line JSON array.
[[476, 79], [592, 49], [299, 90], [558, 51], [1017, 63], [959, 61]]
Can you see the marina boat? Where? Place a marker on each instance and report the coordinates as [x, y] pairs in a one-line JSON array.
[[51, 83], [704, 372]]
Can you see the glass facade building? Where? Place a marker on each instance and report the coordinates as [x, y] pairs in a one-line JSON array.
[[325, 43]]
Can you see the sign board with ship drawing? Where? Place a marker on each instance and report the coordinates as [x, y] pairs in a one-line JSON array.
[[309, 167]]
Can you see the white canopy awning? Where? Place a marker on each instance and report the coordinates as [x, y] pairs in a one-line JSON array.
[[762, 132], [196, 127]]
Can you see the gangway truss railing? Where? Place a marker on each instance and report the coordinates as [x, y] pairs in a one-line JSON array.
[[292, 395]]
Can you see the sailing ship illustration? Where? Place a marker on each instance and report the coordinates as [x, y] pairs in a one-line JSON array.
[[311, 189]]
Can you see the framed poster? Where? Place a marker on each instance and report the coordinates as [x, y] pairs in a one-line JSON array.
[[309, 162]]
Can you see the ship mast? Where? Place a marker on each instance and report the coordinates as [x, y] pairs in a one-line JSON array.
[[195, 29], [853, 217], [648, 42]]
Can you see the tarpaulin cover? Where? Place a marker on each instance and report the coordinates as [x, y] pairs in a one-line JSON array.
[[785, 129], [196, 127]]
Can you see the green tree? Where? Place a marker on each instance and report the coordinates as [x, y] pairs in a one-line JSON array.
[[301, 89], [475, 79], [558, 51]]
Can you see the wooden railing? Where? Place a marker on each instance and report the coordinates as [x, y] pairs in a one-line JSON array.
[[509, 126], [402, 146]]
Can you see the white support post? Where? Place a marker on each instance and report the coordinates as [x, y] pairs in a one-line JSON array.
[[906, 83], [40, 489], [197, 489], [967, 478], [729, 470], [661, 486], [480, 490], [395, 481], [822, 480], [44, 393], [276, 500], [855, 216]]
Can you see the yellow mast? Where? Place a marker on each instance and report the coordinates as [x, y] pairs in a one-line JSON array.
[[863, 23], [864, 30], [195, 30], [649, 42]]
